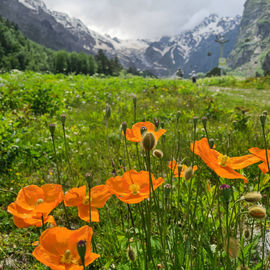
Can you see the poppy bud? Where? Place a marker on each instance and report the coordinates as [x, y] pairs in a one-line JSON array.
[[143, 130], [148, 142], [188, 173], [263, 119], [158, 153], [124, 127], [257, 211], [265, 113], [242, 267], [52, 129], [131, 253], [63, 119], [252, 196], [247, 233], [108, 110], [234, 247], [81, 248]]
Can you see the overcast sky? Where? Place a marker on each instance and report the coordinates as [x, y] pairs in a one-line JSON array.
[[144, 18]]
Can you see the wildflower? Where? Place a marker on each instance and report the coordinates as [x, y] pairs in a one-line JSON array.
[[252, 196], [134, 134], [257, 211], [260, 153], [225, 192], [33, 205], [58, 248], [80, 198], [223, 165], [132, 187], [173, 165]]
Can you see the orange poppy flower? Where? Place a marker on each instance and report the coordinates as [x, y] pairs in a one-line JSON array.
[[134, 134], [58, 248], [223, 165], [132, 187], [173, 165], [79, 197], [260, 153], [34, 203]]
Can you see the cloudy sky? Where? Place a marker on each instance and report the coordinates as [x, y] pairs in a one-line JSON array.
[[144, 18]]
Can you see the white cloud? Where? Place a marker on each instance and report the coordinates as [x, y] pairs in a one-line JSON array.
[[144, 18]]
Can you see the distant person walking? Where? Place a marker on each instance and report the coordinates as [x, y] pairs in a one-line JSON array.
[[193, 77]]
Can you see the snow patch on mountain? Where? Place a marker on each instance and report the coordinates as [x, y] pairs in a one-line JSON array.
[[33, 4]]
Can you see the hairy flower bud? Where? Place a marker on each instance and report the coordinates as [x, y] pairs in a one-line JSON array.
[[131, 253], [148, 142], [257, 211], [252, 196], [158, 153], [233, 248], [189, 173]]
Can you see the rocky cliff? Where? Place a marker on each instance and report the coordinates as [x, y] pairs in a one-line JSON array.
[[253, 41]]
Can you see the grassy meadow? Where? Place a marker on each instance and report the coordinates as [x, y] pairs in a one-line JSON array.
[[70, 130]]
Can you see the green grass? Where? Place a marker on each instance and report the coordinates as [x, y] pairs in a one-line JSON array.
[[31, 101]]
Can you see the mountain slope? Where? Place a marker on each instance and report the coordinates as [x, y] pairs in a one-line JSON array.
[[253, 41], [195, 49]]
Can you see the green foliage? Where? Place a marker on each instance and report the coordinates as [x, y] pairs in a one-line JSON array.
[[29, 102]]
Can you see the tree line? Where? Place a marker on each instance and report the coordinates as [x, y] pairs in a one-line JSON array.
[[18, 52]]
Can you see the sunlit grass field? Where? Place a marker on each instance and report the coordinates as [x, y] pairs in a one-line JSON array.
[[57, 129]]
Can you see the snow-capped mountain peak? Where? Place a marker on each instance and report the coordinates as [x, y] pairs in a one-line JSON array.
[[190, 50]]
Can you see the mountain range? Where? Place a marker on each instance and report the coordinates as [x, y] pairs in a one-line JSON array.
[[194, 49]]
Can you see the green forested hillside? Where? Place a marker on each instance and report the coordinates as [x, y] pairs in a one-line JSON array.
[[18, 52]]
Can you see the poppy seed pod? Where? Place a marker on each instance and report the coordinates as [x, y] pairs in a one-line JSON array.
[[148, 142], [188, 173], [257, 211], [252, 196], [158, 153], [131, 253]]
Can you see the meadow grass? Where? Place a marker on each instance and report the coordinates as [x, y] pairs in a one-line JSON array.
[[186, 223]]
